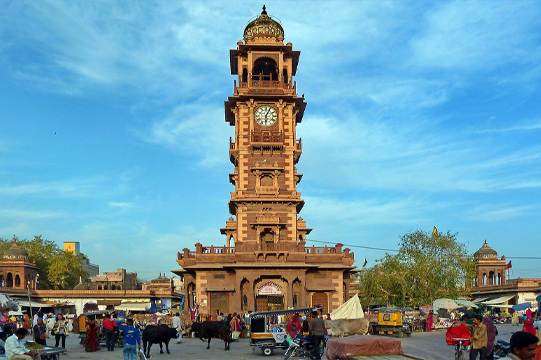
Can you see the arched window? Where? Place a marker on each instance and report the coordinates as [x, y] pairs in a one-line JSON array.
[[265, 68], [244, 75], [119, 287], [286, 77], [17, 281], [266, 180], [113, 287], [99, 287], [105, 287], [9, 280], [2, 282]]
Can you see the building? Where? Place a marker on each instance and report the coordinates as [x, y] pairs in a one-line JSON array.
[[494, 289], [119, 280], [74, 247], [17, 272], [265, 263]]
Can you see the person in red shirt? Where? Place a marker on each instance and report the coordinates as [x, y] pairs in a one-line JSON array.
[[111, 328]]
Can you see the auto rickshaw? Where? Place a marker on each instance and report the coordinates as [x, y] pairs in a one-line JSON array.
[[265, 336], [99, 316]]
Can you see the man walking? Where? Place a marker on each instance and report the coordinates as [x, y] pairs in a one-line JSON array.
[[109, 325], [177, 325], [317, 329], [131, 338], [479, 339]]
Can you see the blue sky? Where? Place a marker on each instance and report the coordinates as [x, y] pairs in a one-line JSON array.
[[112, 129]]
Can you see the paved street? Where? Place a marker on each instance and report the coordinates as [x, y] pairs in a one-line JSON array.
[[430, 346]]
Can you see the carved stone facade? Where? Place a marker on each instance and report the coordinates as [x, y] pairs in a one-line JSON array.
[[266, 263]]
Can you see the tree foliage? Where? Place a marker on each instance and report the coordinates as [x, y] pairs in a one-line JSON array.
[[57, 269], [426, 267]]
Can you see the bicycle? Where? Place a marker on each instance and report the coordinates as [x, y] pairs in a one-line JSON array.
[[460, 346]]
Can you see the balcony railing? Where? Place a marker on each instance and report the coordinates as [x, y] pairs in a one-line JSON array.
[[267, 136]]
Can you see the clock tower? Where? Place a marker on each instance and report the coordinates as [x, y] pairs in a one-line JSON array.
[[265, 110], [265, 264]]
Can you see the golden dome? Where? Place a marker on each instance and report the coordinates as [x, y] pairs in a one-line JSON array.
[[263, 25]]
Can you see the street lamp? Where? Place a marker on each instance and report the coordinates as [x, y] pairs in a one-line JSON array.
[[29, 300]]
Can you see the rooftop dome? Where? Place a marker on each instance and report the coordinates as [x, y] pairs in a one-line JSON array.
[[485, 252], [263, 25], [15, 252]]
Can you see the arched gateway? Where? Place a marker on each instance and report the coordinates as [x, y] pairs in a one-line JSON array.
[[266, 264]]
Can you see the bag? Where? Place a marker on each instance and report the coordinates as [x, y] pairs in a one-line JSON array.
[[43, 336], [141, 355], [538, 334], [235, 335]]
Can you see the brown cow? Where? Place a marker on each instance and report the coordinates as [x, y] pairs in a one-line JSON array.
[[345, 327]]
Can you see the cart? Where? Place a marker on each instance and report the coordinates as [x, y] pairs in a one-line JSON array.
[[264, 336]]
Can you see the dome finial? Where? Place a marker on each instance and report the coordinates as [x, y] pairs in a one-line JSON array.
[[264, 12]]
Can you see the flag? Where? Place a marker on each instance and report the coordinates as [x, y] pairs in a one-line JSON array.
[[508, 266], [365, 262], [435, 231]]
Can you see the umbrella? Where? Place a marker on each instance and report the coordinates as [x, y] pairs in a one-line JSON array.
[[520, 307], [465, 311], [426, 308], [445, 304], [466, 303]]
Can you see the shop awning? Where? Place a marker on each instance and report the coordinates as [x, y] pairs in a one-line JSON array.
[[498, 301], [37, 304], [133, 307], [478, 300], [109, 302]]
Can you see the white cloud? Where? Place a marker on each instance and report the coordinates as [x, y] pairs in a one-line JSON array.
[[477, 36], [196, 128]]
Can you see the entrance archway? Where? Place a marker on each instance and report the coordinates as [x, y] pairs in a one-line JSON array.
[[269, 297]]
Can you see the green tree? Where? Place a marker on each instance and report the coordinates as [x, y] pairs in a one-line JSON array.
[[426, 267], [57, 269]]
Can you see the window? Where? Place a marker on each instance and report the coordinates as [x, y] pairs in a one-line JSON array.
[[266, 180]]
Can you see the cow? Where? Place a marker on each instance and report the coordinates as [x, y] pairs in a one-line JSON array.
[[157, 334], [209, 329], [345, 327]]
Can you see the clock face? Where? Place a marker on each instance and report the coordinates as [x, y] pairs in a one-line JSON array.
[[265, 115]]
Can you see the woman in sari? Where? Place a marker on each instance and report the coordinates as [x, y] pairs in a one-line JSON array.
[[492, 331], [92, 328], [429, 321]]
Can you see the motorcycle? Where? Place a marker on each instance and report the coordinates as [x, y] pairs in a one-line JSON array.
[[501, 349], [303, 346]]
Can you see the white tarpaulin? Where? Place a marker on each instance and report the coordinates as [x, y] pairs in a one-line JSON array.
[[351, 309], [133, 307]]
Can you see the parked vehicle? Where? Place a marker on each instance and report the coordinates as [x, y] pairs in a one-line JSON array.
[[266, 337], [303, 346], [502, 348], [391, 321]]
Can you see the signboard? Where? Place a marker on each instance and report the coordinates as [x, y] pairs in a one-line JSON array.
[[270, 289]]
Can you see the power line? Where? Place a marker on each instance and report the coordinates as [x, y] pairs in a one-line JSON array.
[[384, 249], [357, 246]]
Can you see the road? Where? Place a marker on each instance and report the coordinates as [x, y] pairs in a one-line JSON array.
[[429, 346]]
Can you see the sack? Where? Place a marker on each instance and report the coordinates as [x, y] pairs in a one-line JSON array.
[[141, 355], [43, 336]]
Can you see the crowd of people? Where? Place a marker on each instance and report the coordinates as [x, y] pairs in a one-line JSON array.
[[481, 332]]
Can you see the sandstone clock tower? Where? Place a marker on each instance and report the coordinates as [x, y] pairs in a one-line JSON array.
[[265, 111], [265, 264]]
